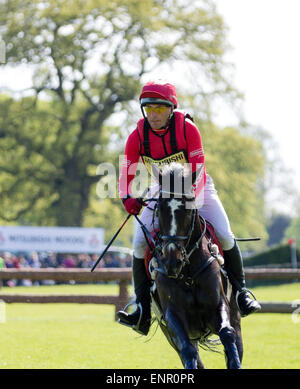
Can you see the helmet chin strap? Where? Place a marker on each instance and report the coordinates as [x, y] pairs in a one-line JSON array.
[[168, 122]]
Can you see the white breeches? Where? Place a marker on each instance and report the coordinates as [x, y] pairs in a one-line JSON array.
[[211, 209]]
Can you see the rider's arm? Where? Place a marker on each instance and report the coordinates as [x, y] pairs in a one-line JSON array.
[[194, 145], [129, 164], [195, 151]]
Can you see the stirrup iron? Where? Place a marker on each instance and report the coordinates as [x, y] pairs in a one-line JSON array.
[[136, 326], [241, 291]]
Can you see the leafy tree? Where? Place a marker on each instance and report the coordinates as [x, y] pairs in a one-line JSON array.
[[277, 226], [89, 57], [236, 163], [293, 231], [277, 193]]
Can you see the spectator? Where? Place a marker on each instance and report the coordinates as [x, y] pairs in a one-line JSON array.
[[84, 261], [23, 263], [111, 261], [50, 260], [34, 260], [8, 260], [57, 260], [94, 259], [69, 262]]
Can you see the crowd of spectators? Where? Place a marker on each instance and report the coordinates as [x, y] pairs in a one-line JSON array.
[[54, 260]]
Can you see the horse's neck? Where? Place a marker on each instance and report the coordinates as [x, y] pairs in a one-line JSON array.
[[197, 232]]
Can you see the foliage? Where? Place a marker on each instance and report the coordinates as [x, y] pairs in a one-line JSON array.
[[277, 255], [277, 225], [46, 169], [89, 58], [293, 231], [38, 162], [110, 214], [236, 164], [278, 186]]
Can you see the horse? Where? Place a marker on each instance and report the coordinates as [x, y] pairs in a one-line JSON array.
[[191, 292]]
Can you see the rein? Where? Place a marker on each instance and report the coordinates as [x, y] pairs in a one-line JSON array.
[[168, 239], [175, 238]]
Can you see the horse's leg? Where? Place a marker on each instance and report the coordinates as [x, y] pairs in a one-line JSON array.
[[239, 342], [199, 362], [187, 351], [170, 339], [235, 320], [228, 338]]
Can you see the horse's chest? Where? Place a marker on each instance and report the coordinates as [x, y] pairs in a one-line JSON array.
[[199, 307]]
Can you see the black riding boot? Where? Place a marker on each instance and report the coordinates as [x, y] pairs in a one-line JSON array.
[[139, 320], [234, 268]]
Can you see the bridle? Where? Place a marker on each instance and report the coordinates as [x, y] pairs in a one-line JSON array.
[[165, 240], [156, 246]]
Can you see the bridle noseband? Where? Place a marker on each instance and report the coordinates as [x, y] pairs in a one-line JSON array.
[[166, 240]]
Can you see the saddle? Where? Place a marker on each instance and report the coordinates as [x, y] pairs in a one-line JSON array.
[[210, 235]]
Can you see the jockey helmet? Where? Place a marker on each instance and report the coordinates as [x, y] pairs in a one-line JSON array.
[[158, 93]]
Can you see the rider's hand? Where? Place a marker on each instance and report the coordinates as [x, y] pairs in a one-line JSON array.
[[133, 205]]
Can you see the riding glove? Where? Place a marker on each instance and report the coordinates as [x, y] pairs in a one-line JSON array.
[[132, 205]]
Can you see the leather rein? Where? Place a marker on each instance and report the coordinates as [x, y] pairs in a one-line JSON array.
[[165, 240]]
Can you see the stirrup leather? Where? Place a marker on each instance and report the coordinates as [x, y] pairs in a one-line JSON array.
[[242, 291]]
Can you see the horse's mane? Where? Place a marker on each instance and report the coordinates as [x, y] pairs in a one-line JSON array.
[[175, 169], [175, 176]]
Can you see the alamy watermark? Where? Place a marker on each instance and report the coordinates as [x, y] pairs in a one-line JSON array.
[[107, 186]]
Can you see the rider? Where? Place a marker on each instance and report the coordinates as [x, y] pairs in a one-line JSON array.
[[163, 135]]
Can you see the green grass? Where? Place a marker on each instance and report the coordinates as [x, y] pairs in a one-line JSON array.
[[101, 289], [283, 292], [85, 336]]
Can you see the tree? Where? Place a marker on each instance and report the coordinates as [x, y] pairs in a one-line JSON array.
[[277, 225], [236, 163], [278, 186], [293, 231], [89, 57]]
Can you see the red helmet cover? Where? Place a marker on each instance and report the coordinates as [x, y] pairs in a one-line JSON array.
[[160, 91]]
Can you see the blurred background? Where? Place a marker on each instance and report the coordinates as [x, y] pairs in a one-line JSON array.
[[70, 76]]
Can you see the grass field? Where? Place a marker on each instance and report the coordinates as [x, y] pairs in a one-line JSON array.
[[85, 336]]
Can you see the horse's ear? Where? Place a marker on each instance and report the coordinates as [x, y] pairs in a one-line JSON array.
[[156, 172]]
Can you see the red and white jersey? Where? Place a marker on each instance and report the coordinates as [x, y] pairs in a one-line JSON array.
[[180, 142]]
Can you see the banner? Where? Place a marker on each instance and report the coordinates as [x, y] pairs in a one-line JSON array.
[[56, 239]]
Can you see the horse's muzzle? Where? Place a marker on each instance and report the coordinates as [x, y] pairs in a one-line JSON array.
[[173, 267]]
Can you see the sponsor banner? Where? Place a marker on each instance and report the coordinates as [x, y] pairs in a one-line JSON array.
[[56, 239]]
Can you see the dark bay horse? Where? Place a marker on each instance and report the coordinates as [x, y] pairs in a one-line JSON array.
[[189, 296]]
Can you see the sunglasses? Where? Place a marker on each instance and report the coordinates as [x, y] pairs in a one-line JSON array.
[[157, 109]]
